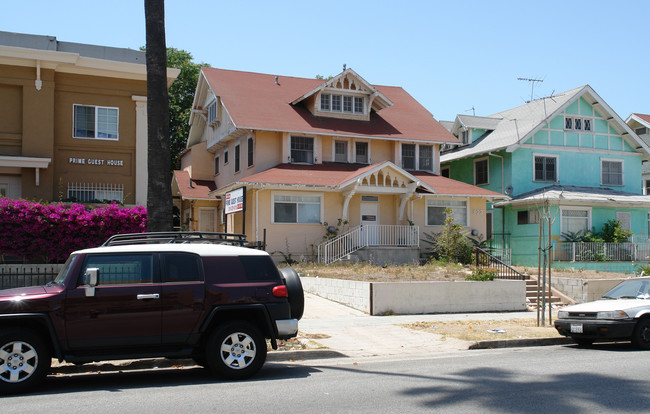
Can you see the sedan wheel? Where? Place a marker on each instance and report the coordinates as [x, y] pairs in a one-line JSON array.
[[641, 336], [236, 350]]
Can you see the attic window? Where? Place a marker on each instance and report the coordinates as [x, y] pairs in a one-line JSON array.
[[577, 124], [213, 118], [641, 131], [341, 103]]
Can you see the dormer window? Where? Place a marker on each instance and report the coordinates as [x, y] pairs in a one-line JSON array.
[[213, 118], [341, 103]]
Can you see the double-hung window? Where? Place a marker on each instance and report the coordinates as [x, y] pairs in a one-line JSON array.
[[545, 168], [325, 100], [297, 208], [436, 211], [481, 174], [361, 153], [95, 122], [575, 220], [611, 172], [425, 158], [340, 151], [302, 150], [408, 156]]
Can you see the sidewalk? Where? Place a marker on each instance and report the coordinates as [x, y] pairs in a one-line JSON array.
[[332, 330]]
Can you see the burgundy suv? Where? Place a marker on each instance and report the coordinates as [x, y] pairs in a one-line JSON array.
[[151, 295]]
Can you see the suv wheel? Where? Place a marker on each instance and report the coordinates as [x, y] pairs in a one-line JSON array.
[[641, 335], [236, 350], [24, 360]]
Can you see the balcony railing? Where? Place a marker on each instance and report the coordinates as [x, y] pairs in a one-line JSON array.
[[601, 252]]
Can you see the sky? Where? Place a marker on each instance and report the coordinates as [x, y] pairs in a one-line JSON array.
[[454, 57]]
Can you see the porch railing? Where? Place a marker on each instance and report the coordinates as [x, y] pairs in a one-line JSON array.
[[601, 252], [367, 235]]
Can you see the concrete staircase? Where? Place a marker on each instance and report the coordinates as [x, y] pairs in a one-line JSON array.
[[557, 299]]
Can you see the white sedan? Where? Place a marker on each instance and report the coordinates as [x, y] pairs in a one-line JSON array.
[[623, 313]]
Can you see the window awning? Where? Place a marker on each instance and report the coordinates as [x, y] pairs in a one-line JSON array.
[[25, 162]]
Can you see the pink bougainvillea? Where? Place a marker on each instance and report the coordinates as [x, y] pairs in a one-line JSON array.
[[50, 232]]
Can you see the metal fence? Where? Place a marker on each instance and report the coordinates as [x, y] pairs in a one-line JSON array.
[[15, 276], [601, 252]]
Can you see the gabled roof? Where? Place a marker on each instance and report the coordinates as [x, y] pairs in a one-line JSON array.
[[475, 122], [339, 176], [642, 118], [379, 102], [255, 101], [190, 189], [521, 123], [578, 195]]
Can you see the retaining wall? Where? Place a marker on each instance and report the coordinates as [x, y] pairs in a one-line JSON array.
[[584, 290], [404, 298]]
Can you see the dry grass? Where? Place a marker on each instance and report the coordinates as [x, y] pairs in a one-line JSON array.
[[479, 330], [370, 273]]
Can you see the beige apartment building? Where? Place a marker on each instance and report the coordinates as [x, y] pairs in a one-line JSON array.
[[73, 122], [296, 161]]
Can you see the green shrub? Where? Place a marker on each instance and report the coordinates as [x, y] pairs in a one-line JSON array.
[[482, 275]]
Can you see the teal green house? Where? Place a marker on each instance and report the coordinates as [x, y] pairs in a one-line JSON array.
[[568, 157]]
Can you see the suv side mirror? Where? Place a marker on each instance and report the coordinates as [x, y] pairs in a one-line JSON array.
[[90, 278]]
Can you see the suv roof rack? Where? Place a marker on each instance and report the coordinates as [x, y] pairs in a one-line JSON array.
[[235, 239]]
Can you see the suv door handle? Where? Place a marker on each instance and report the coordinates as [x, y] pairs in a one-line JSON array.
[[149, 296]]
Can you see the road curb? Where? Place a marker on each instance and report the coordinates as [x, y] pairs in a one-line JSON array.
[[519, 343]]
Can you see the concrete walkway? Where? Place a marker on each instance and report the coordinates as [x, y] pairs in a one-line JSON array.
[[333, 330]]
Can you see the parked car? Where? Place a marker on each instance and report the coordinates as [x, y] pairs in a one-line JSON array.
[[623, 313], [151, 295]]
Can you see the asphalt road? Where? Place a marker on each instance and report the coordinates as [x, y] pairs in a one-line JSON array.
[[607, 378]]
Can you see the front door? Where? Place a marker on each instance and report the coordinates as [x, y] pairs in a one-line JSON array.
[[370, 223]]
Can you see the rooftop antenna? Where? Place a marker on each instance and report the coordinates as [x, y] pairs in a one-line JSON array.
[[344, 67], [532, 85], [471, 109]]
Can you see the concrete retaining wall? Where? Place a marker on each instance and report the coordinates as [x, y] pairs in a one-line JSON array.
[[584, 290], [421, 297]]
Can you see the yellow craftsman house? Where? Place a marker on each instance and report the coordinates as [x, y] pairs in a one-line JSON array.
[[319, 168]]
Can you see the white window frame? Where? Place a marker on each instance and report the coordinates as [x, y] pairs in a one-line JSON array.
[[96, 108], [446, 199], [213, 114], [321, 197], [347, 149], [587, 209], [325, 97], [477, 160], [354, 151], [557, 167], [341, 98], [313, 149], [582, 120], [617, 160], [433, 157]]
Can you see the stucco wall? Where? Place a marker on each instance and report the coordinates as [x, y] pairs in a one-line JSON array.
[[421, 297], [584, 290]]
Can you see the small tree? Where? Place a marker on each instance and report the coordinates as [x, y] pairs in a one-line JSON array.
[[613, 233], [451, 243]]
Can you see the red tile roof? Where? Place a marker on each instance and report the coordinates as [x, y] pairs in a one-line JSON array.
[[334, 174], [193, 189], [255, 101]]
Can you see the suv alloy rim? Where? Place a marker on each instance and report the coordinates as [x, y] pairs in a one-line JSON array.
[[19, 360], [238, 350]]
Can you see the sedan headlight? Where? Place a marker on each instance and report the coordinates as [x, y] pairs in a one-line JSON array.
[[612, 315], [563, 314]]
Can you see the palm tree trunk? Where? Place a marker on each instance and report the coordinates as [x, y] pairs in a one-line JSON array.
[[159, 198]]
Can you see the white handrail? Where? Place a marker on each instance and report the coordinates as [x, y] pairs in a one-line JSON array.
[[367, 235]]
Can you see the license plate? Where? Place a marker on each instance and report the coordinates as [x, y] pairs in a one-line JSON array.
[[576, 328]]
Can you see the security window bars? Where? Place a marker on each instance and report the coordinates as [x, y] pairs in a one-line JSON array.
[[95, 122], [574, 221], [611, 172], [92, 192], [545, 169], [302, 150], [296, 209]]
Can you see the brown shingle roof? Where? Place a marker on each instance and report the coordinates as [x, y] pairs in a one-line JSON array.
[[255, 101], [193, 189]]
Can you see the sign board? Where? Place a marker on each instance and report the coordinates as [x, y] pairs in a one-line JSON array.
[[235, 201]]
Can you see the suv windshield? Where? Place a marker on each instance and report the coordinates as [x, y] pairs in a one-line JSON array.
[[64, 272], [633, 288]]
